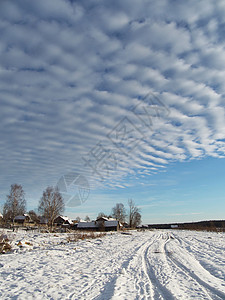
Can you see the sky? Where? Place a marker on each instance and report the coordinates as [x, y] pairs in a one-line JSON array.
[[115, 100]]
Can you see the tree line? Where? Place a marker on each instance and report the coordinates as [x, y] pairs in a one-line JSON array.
[[52, 205], [132, 215]]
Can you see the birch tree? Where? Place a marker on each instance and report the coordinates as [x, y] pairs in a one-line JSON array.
[[134, 215], [51, 204], [15, 204]]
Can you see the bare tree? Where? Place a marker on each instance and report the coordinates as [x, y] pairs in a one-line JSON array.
[[119, 212], [101, 214], [137, 219], [15, 204], [133, 214], [51, 204], [34, 217], [78, 219], [87, 219]]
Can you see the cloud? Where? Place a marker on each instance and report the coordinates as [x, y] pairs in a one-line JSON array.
[[70, 72]]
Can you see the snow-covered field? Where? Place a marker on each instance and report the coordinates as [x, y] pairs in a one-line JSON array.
[[142, 265]]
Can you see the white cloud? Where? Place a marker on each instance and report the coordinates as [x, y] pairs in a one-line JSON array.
[[69, 73]]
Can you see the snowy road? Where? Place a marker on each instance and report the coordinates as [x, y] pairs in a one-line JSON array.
[[143, 265]]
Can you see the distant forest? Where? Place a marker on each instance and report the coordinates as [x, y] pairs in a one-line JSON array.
[[214, 224]]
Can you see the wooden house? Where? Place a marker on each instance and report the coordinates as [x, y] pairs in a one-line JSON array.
[[21, 219], [101, 224], [63, 221]]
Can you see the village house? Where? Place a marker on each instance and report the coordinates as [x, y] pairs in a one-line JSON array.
[[22, 219], [63, 221], [101, 224]]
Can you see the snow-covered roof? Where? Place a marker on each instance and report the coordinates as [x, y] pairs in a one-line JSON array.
[[66, 219], [102, 218], [22, 217], [19, 218], [93, 224], [111, 223], [86, 225]]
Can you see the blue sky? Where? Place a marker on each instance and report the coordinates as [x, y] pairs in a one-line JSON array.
[[127, 94]]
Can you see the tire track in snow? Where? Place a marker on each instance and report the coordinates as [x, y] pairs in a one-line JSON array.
[[175, 284], [152, 272], [141, 273], [152, 288], [93, 291], [135, 277], [197, 251], [172, 260], [160, 291], [211, 248], [210, 291], [204, 243], [169, 282]]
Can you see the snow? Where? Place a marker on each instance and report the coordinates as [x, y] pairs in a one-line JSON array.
[[169, 264]]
